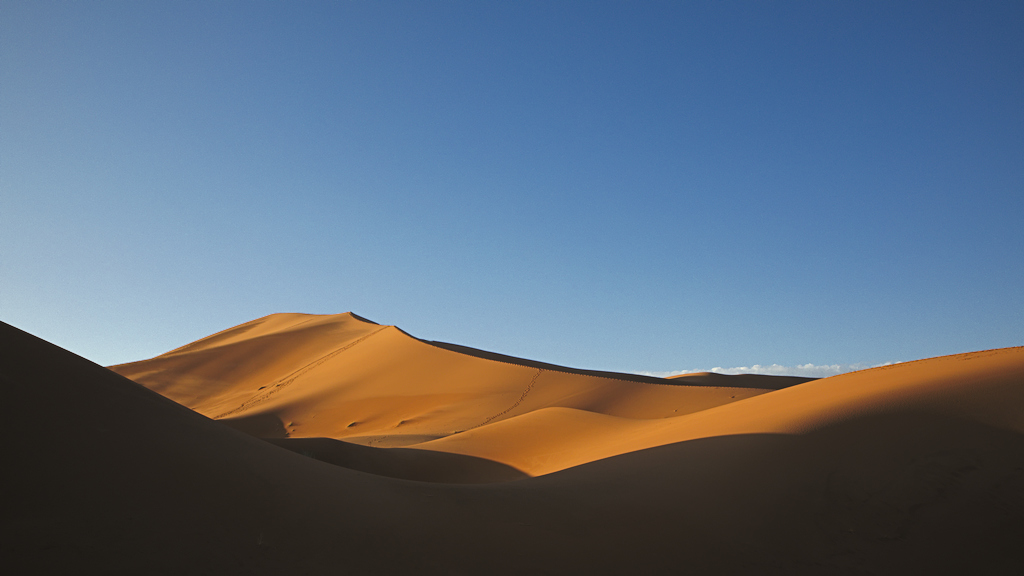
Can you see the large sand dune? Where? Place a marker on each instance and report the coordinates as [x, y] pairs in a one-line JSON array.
[[344, 377], [499, 465]]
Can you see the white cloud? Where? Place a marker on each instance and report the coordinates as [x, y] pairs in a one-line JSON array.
[[805, 370]]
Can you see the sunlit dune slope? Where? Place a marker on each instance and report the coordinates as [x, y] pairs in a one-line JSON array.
[[343, 377], [915, 469]]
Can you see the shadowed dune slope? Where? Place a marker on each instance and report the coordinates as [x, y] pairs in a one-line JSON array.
[[343, 377], [918, 469]]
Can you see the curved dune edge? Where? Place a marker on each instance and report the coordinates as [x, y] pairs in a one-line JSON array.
[[925, 477], [407, 464], [744, 381]]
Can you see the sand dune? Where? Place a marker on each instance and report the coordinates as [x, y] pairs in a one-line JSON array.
[[916, 467], [343, 377]]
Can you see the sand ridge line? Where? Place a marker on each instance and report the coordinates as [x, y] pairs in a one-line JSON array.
[[575, 372], [276, 387], [517, 403], [187, 347], [526, 363], [579, 371], [965, 355]]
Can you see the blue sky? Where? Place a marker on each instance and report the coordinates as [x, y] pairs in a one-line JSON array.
[[628, 186]]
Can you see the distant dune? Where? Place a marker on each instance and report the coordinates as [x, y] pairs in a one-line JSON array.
[[332, 445]]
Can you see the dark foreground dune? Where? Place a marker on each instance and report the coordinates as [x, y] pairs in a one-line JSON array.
[[916, 468]]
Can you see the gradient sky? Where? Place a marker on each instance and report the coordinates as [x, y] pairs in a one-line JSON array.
[[632, 186]]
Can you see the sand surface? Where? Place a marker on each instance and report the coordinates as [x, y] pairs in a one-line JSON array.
[[331, 445]]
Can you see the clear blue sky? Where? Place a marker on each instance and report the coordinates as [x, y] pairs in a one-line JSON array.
[[611, 185]]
